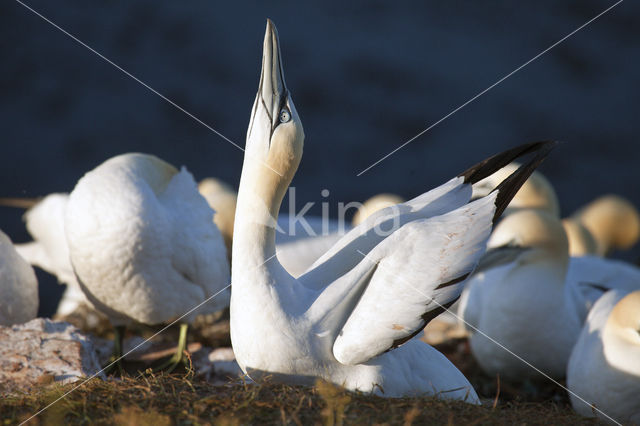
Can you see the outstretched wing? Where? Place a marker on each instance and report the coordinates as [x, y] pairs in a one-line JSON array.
[[440, 200], [419, 272]]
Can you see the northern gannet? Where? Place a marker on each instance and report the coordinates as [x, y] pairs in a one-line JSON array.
[[532, 297], [604, 368], [143, 244], [18, 286], [350, 320], [609, 222], [613, 222], [521, 301]]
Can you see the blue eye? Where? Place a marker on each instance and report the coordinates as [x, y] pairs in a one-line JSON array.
[[285, 115]]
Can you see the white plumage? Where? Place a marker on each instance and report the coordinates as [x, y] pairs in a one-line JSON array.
[[49, 249], [531, 297], [351, 317], [142, 241], [604, 368], [18, 286]]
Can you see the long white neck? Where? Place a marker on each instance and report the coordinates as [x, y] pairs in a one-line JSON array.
[[262, 188]]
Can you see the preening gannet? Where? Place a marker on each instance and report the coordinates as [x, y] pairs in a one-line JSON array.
[[143, 244], [18, 286], [604, 368], [351, 319], [613, 222]]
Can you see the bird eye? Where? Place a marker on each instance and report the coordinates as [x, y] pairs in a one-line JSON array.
[[285, 115]]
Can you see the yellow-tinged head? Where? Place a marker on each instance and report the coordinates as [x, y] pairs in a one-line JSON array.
[[613, 221], [537, 230]]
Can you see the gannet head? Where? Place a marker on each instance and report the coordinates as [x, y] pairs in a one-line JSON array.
[[539, 233], [275, 136], [536, 193], [613, 221], [621, 334]]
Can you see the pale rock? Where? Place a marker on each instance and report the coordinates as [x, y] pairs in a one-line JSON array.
[[42, 351]]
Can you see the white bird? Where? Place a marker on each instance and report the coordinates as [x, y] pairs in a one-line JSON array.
[[531, 297], [350, 320], [18, 286], [522, 301], [44, 220], [592, 276], [604, 368], [143, 244]]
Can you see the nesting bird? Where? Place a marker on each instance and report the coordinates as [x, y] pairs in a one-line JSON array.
[[351, 318], [143, 244], [18, 286], [604, 368], [527, 277], [519, 298]]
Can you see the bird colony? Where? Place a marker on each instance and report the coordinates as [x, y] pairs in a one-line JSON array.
[[140, 241]]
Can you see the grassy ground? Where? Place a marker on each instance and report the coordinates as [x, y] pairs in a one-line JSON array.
[[160, 400]]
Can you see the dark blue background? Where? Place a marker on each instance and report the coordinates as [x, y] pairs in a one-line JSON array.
[[365, 77]]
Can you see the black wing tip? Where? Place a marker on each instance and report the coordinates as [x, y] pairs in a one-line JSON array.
[[508, 188], [494, 163]]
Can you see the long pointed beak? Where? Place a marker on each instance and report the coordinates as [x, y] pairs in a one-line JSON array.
[[273, 89]]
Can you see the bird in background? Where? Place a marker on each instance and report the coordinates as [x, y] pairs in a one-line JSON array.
[[18, 286], [527, 277], [607, 223], [604, 367], [613, 222], [144, 247]]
